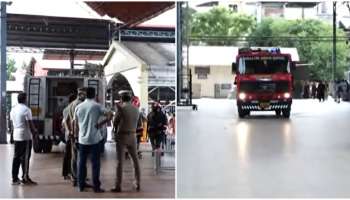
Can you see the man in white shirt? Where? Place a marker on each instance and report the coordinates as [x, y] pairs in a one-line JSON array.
[[23, 128]]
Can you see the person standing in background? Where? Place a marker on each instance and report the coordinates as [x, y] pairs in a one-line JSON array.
[[73, 135], [86, 123], [66, 165], [23, 129]]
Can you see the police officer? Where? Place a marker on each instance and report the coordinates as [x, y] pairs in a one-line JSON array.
[[126, 122]]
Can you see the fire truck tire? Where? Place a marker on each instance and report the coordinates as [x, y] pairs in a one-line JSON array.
[[286, 113], [278, 112], [242, 113], [36, 145], [47, 146]]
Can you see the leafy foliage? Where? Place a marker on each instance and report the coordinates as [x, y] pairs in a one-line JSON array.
[[312, 38], [222, 22], [10, 69]]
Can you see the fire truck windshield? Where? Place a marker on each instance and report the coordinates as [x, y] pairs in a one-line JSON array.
[[264, 65]]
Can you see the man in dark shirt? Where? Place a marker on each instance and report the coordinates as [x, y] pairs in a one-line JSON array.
[[156, 125]]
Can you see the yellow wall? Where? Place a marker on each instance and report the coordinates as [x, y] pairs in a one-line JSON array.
[[218, 74]]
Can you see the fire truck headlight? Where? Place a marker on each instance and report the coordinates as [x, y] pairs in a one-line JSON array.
[[286, 95], [242, 96]]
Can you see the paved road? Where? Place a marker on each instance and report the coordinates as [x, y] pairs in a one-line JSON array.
[[46, 170], [307, 155]]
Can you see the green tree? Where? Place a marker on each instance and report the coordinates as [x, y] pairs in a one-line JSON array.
[[313, 40], [220, 22], [10, 69]]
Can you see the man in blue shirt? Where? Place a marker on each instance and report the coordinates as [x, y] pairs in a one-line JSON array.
[[86, 119]]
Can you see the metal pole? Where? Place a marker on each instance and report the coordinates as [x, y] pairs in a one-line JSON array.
[[71, 58], [188, 71], [179, 52], [334, 55], [157, 161], [190, 85], [3, 32]]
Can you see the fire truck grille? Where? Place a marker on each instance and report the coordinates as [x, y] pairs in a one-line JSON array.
[[264, 86], [270, 107]]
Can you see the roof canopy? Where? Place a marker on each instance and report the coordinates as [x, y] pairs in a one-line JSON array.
[[60, 54], [131, 13], [223, 55]]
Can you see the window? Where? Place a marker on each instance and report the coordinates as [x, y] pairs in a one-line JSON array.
[[226, 86], [202, 72]]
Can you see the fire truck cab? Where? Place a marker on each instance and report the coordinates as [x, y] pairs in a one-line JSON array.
[[264, 81], [47, 97]]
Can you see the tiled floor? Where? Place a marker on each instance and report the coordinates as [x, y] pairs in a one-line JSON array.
[[46, 170]]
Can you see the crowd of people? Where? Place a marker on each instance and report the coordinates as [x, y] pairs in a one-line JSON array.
[[84, 122], [315, 89], [321, 89]]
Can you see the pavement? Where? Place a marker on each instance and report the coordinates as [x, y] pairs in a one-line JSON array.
[[46, 169], [264, 156]]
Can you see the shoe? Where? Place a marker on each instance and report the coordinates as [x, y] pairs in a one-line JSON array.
[[16, 182], [74, 183], [67, 177], [81, 190], [87, 185], [99, 190], [29, 181], [116, 189], [137, 186]]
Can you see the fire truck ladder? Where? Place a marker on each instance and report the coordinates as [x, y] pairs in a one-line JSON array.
[[34, 96]]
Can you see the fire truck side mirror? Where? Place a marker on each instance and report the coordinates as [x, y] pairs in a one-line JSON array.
[[234, 68]]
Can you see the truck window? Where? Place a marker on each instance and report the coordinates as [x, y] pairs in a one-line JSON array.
[[264, 65]]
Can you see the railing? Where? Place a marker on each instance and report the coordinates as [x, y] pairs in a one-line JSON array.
[[159, 164]]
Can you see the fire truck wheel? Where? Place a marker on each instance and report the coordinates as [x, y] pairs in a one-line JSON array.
[[36, 145], [278, 112], [242, 113], [286, 113]]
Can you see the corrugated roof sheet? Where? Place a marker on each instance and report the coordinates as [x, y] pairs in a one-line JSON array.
[[159, 54]]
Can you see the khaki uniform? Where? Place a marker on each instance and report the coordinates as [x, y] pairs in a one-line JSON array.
[[126, 123]]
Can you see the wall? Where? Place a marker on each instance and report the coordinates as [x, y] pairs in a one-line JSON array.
[[218, 74], [123, 61]]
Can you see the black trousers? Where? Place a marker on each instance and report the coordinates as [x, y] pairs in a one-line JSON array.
[[156, 139], [66, 167], [21, 158]]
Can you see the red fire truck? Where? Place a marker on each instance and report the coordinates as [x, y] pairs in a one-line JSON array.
[[264, 81]]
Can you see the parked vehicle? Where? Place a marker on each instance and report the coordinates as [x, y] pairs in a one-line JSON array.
[[47, 97]]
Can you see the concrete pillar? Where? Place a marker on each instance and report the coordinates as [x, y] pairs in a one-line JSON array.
[[3, 32]]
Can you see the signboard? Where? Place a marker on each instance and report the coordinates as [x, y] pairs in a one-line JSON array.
[[162, 76]]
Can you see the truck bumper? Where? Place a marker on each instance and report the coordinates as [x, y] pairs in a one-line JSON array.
[[258, 105]]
